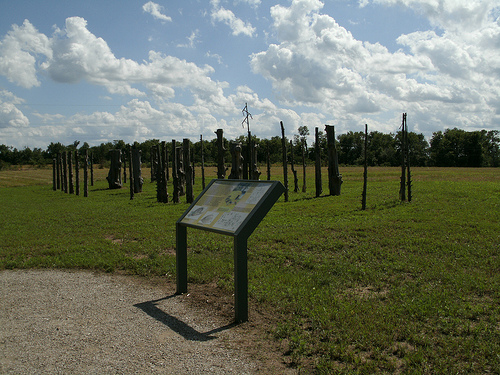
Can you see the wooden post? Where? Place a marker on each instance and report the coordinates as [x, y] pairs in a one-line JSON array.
[[114, 175], [91, 169], [77, 174], [292, 165], [188, 170], [221, 169], [202, 164], [175, 178], [131, 171], [58, 170], [365, 172], [65, 171], [302, 147], [85, 174], [54, 180], [126, 155], [402, 187], [137, 170], [334, 177], [407, 148], [317, 150], [181, 172], [236, 168], [61, 171], [285, 167], [70, 172], [268, 162], [255, 173], [154, 162]]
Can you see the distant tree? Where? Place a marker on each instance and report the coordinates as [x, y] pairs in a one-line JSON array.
[[382, 149], [350, 148]]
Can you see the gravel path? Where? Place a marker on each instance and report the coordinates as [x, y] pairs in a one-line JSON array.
[[79, 322]]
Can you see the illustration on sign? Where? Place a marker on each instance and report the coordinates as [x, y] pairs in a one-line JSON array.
[[225, 206]]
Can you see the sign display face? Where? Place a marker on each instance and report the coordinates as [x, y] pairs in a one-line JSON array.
[[226, 204]]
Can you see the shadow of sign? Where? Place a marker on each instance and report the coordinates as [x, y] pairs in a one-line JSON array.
[[176, 325]]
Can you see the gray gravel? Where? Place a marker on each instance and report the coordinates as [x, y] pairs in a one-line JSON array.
[[79, 322]]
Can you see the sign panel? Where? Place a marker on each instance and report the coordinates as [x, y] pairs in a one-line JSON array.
[[226, 204]]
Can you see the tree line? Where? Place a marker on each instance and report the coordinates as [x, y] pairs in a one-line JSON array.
[[451, 148]]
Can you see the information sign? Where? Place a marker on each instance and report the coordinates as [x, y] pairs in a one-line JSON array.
[[230, 207]]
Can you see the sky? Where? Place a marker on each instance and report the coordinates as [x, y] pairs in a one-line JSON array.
[[98, 71]]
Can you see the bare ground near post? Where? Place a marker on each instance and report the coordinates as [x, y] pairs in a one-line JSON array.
[[81, 322]]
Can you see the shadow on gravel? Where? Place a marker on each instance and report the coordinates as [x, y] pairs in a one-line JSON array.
[[176, 325]]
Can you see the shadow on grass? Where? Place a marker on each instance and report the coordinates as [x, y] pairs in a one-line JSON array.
[[176, 325]]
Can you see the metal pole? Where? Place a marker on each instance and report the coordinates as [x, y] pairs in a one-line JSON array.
[[181, 258], [240, 279]]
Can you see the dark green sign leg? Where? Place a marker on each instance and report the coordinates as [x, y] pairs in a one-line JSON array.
[[181, 258], [240, 279]]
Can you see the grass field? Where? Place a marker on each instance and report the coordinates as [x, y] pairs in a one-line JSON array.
[[397, 288]]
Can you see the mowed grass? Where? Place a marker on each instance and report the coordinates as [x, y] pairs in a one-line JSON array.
[[397, 288]]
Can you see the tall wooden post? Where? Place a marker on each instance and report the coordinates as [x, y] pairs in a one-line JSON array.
[[175, 178], [86, 174], [77, 173], [294, 172], [402, 187], [302, 147], [65, 171], [188, 170], [126, 155], [131, 171], [317, 152], [334, 177], [202, 164], [236, 168], [91, 169], [70, 172], [407, 148], [54, 179], [58, 170], [221, 169], [268, 162], [137, 170], [365, 172], [285, 166]]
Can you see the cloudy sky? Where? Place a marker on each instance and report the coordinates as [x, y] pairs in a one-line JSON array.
[[98, 71]]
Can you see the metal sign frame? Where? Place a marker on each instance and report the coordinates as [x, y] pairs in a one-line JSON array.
[[229, 207]]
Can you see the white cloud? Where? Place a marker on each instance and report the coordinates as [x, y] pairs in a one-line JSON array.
[[237, 25], [10, 115], [318, 63], [18, 51], [155, 10]]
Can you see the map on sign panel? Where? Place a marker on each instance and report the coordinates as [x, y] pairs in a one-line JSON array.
[[225, 205]]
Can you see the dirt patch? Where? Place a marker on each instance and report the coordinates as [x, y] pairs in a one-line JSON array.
[[54, 321]]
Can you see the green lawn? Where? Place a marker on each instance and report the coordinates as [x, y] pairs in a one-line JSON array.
[[397, 288]]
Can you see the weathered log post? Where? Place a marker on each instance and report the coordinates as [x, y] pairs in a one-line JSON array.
[[407, 148], [164, 171], [334, 177], [137, 170], [285, 166], [236, 167], [54, 179], [317, 152], [175, 177], [77, 173], [154, 162], [86, 174], [114, 175], [70, 172], [158, 177], [58, 170], [402, 185], [65, 171], [202, 164], [255, 173], [181, 173], [302, 148], [245, 162], [221, 168], [294, 172], [126, 155], [268, 162], [91, 169], [188, 170], [131, 171], [365, 171]]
